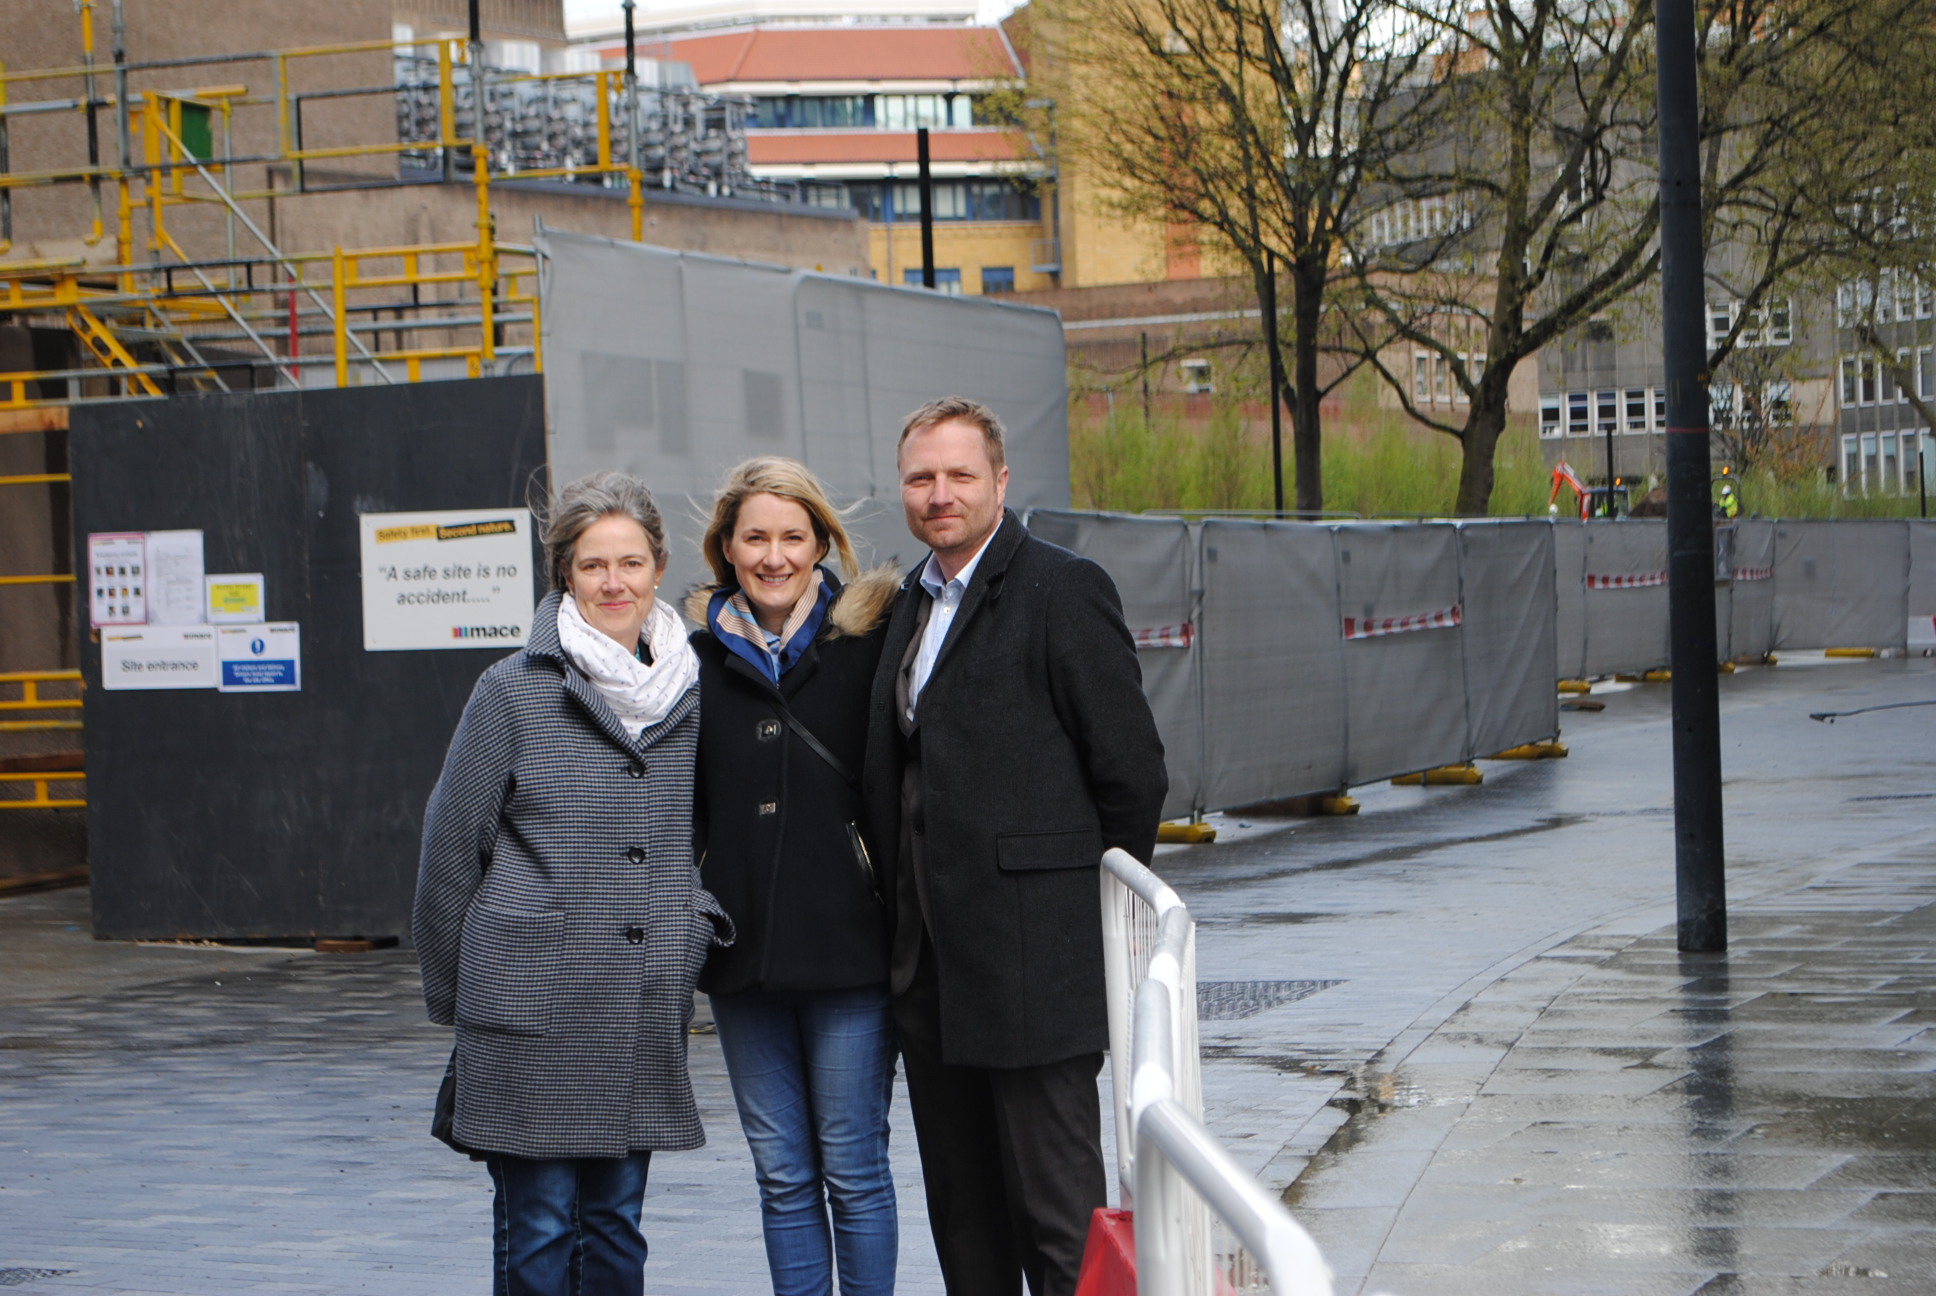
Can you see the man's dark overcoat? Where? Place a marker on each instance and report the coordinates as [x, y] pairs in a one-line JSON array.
[[1038, 752]]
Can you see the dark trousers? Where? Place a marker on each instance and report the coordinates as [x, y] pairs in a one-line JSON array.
[[568, 1227], [1011, 1157]]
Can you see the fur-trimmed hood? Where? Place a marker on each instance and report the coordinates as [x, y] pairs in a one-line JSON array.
[[860, 606]]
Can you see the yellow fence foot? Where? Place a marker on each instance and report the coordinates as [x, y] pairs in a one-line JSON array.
[[1337, 805], [1443, 776], [1657, 677], [1188, 834], [1576, 686], [1548, 750], [1727, 668], [1848, 652]]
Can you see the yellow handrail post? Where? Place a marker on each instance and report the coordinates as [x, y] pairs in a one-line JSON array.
[[342, 325], [486, 251], [124, 233], [151, 140], [604, 80], [637, 203], [446, 103]]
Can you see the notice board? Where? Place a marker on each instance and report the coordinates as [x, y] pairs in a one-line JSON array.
[[290, 805]]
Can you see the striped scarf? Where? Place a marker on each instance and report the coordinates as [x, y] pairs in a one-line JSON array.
[[731, 619]]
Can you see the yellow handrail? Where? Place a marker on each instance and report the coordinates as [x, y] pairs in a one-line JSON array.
[[41, 781]]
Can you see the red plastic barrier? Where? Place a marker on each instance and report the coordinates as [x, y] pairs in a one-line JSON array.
[[1109, 1256]]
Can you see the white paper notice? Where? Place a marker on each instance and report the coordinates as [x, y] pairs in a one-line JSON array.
[[264, 658], [175, 578], [158, 657], [235, 598], [457, 579], [117, 578]]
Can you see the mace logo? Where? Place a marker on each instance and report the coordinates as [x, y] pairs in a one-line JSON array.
[[486, 632]]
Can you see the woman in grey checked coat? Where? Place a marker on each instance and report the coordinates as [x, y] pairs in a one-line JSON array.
[[560, 922]]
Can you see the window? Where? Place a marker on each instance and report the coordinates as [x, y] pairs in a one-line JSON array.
[[1660, 409], [1851, 381], [1891, 472], [1421, 378], [1923, 300], [1778, 328], [1868, 384], [907, 112], [1576, 424], [946, 281], [1636, 409], [784, 112], [1196, 377], [1549, 415], [1925, 373], [1441, 392], [1720, 406], [1851, 464], [1607, 413], [1720, 319], [1869, 467], [1778, 403], [998, 279]]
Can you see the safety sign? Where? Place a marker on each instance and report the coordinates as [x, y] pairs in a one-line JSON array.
[[264, 658], [451, 579], [157, 657]]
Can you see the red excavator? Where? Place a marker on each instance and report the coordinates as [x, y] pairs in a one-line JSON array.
[[1594, 501]]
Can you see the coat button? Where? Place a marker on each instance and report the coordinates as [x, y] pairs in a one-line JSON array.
[[637, 770], [767, 730], [769, 807], [636, 854], [634, 935]]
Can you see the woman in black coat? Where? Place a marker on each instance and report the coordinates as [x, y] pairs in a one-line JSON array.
[[786, 660]]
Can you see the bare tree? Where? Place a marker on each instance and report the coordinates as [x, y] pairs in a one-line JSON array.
[[1546, 155], [1254, 123]]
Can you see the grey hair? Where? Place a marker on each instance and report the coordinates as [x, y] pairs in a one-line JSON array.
[[584, 502]]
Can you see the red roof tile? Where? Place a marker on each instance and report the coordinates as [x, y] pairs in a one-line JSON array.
[[842, 54], [781, 148]]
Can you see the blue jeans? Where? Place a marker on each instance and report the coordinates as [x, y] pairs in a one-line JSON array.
[[568, 1227], [812, 1072]]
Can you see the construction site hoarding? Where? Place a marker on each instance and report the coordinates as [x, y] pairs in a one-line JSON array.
[[675, 366], [282, 795], [1841, 584]]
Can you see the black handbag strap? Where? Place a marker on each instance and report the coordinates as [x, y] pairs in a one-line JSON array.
[[819, 748]]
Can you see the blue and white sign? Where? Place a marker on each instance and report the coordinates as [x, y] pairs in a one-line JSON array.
[[261, 658]]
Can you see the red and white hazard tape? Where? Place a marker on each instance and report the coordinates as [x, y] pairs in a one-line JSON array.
[[1754, 573], [1634, 581], [1169, 636], [1376, 627]]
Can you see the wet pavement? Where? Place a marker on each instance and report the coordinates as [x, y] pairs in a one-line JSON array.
[[1453, 1031]]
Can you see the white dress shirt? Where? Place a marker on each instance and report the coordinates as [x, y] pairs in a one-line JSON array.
[[947, 601]]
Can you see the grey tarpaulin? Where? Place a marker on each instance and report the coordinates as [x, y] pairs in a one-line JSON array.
[[675, 366], [1507, 590], [1751, 609], [1626, 596], [1841, 584], [1273, 667], [1922, 575], [1569, 599], [1398, 595], [1151, 560]]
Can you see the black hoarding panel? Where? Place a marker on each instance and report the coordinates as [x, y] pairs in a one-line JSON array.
[[285, 814]]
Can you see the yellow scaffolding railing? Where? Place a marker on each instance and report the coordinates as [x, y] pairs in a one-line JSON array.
[[42, 781], [30, 699]]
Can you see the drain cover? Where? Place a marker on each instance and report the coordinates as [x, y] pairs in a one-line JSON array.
[[21, 1277], [1235, 1000]]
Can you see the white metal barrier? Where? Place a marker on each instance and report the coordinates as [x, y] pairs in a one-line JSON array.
[[1173, 1171]]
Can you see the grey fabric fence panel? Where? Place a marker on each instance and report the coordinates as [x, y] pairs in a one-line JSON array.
[[1506, 580], [1398, 600], [1841, 584], [1273, 665], [1626, 596], [1569, 599], [675, 365], [1152, 561], [1922, 583], [1751, 598]]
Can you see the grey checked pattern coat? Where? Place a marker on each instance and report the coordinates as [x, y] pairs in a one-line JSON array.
[[560, 923]]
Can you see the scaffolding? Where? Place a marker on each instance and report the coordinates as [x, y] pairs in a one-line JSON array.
[[150, 317]]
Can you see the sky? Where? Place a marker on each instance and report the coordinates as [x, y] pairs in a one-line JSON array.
[[987, 11]]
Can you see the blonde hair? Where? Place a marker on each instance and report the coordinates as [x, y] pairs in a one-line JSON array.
[[957, 409], [788, 480]]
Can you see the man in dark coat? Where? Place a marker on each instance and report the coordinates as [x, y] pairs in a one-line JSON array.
[[1009, 745]]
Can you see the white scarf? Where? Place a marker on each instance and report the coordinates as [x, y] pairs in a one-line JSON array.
[[638, 694]]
